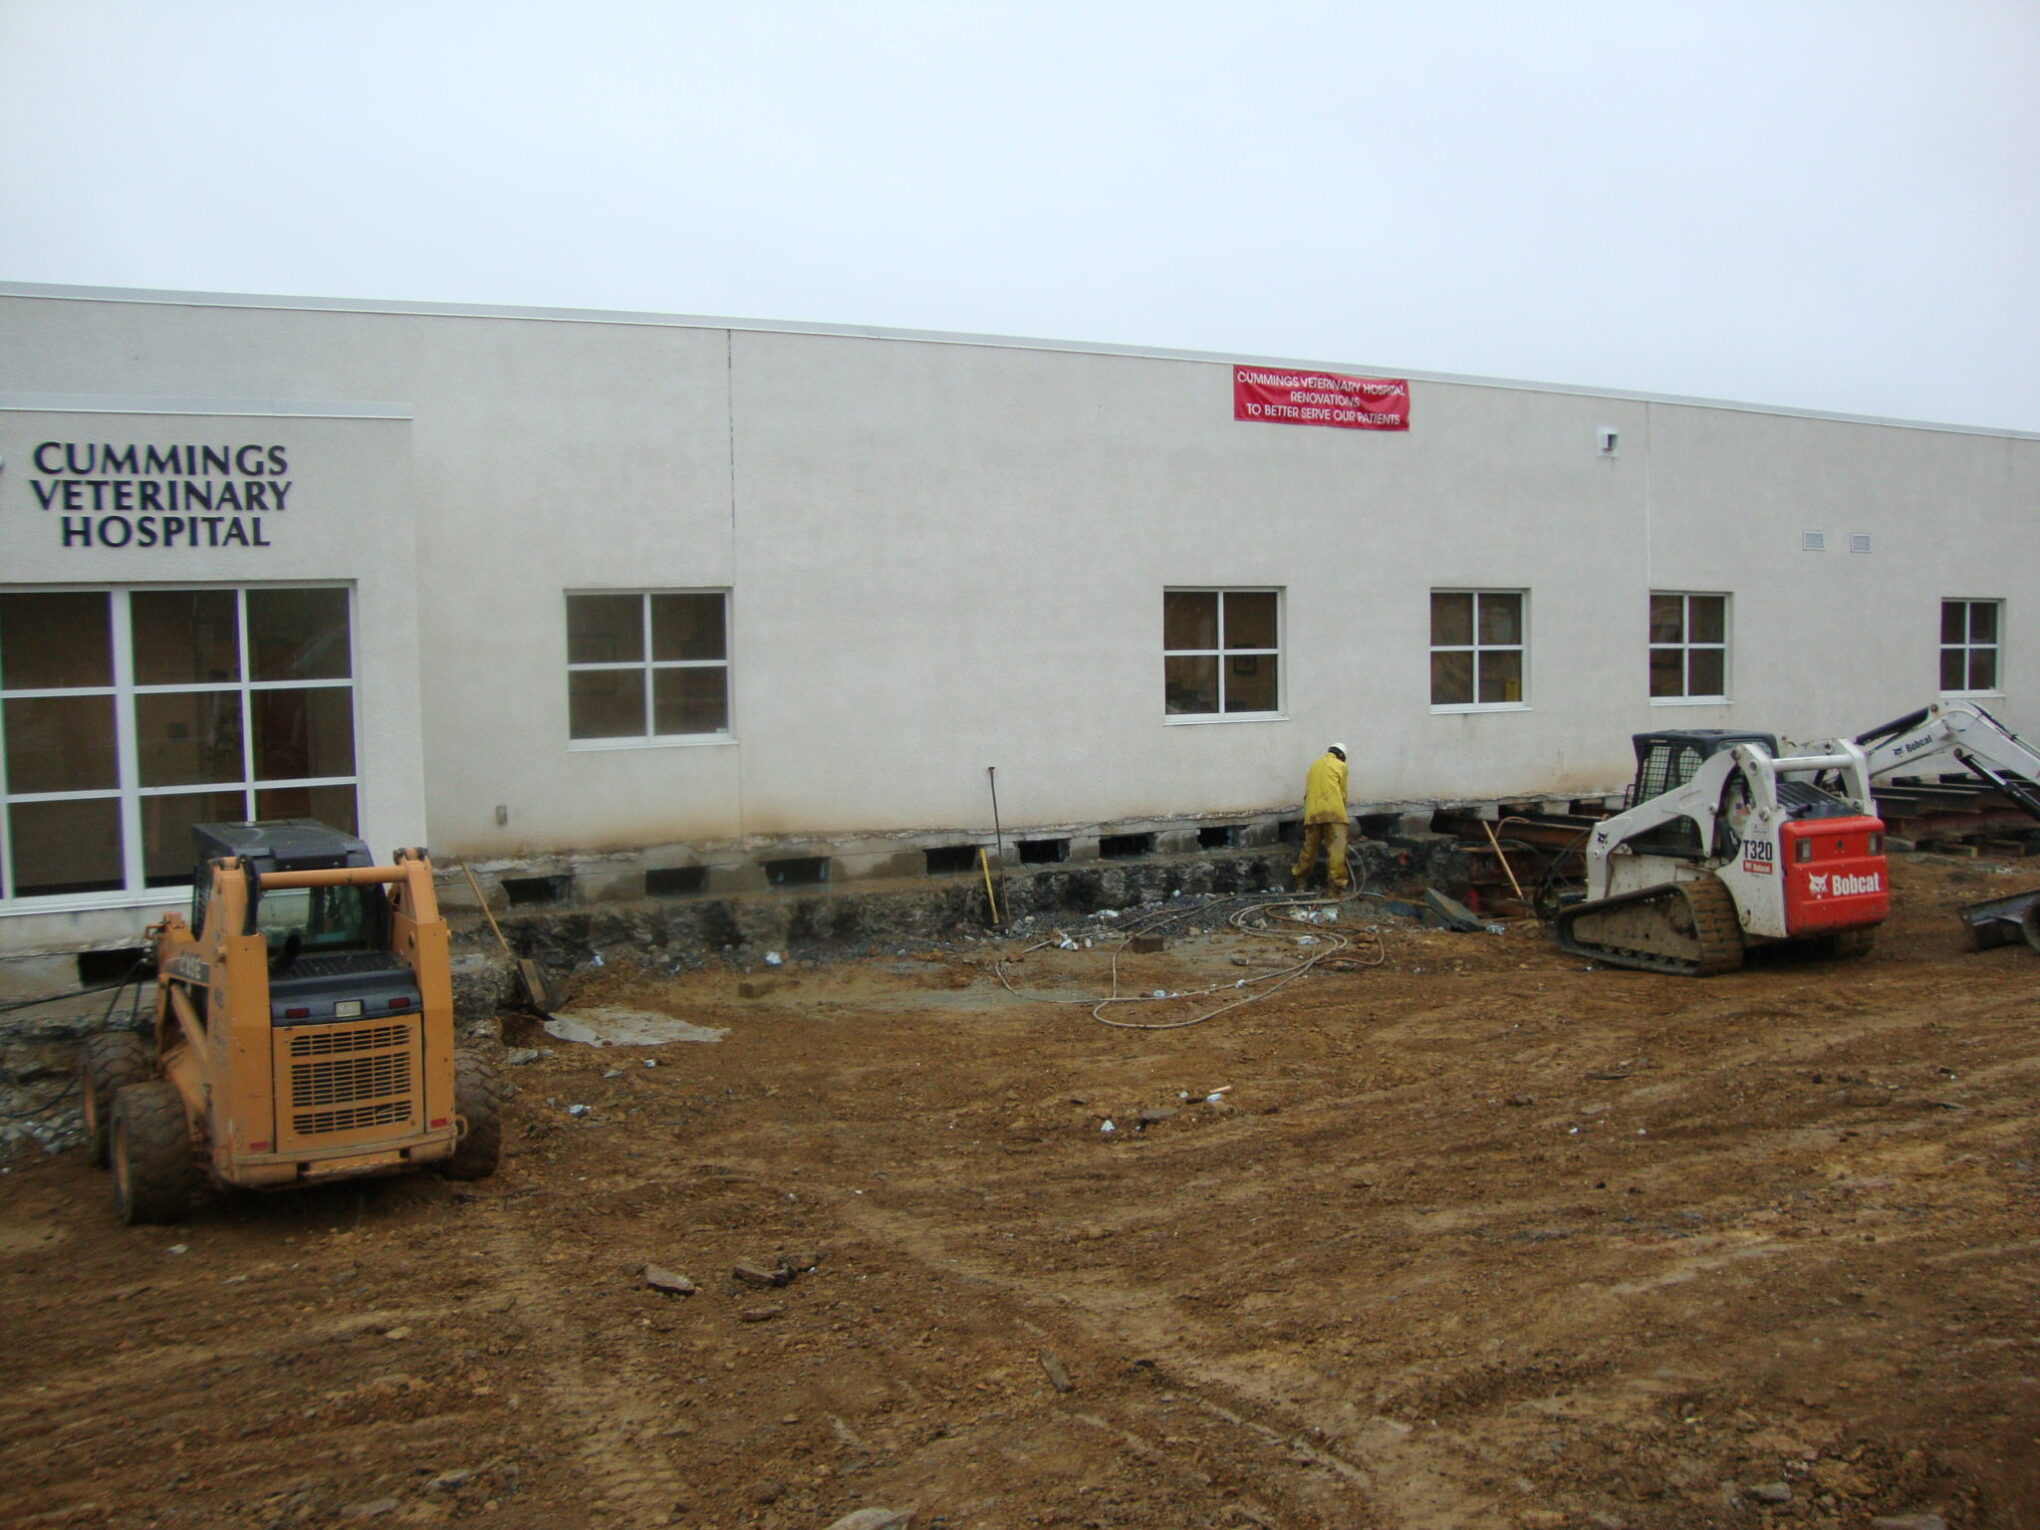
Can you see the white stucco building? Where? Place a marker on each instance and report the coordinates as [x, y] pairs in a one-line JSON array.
[[605, 595]]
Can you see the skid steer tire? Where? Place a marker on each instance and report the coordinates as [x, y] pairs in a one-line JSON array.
[[478, 1102], [109, 1063], [1853, 945], [155, 1177]]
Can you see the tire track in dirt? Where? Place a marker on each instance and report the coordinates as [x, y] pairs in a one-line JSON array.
[[603, 1409], [1407, 1488]]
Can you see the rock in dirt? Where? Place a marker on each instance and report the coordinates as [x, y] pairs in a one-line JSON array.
[[522, 1057], [667, 1280], [1770, 1492], [875, 1519], [450, 1482], [761, 1314], [758, 1275], [1058, 1377], [766, 1491], [375, 1508]]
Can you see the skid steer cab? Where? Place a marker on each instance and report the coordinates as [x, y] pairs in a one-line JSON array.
[[1728, 845], [303, 1031]]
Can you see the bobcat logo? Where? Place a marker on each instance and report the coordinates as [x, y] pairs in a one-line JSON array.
[[1842, 885]]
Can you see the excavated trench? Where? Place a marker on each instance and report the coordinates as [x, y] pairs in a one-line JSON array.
[[867, 918]]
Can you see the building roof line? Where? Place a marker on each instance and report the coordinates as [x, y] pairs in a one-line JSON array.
[[144, 403], [63, 292]]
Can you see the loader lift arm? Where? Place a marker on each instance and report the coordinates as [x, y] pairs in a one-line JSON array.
[[1985, 747], [1992, 753]]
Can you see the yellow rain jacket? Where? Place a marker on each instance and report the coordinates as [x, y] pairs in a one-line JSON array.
[[1324, 790]]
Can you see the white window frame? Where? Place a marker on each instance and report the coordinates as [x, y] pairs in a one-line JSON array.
[[647, 665], [1476, 648], [1222, 653], [1996, 647], [128, 790], [1686, 647]]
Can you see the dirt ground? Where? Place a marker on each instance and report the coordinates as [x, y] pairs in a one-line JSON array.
[[1475, 1237]]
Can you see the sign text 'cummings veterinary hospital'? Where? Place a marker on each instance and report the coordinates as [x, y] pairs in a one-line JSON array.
[[104, 495]]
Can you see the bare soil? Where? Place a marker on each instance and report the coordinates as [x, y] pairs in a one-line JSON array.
[[1476, 1237]]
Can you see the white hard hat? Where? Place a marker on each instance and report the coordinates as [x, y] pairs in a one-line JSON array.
[[1341, 748]]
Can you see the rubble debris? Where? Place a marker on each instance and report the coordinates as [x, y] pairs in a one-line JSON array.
[[875, 1519], [668, 1280], [1453, 914], [610, 1025], [1058, 1376]]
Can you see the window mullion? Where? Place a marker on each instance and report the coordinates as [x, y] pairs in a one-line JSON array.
[[127, 755], [246, 675], [645, 668]]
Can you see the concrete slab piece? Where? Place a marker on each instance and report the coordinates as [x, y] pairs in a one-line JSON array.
[[610, 1025]]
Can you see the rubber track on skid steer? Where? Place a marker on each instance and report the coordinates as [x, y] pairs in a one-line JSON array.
[[1716, 938]]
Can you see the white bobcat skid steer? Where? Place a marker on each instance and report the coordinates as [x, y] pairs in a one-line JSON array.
[[1729, 846]]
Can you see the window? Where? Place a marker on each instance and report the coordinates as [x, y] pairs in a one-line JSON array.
[[128, 715], [1477, 648], [1969, 646], [648, 666], [1688, 647], [1221, 652]]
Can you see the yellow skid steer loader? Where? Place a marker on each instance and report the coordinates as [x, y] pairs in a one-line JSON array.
[[303, 1031]]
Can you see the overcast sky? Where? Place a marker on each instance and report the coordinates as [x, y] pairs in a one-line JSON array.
[[1824, 205]]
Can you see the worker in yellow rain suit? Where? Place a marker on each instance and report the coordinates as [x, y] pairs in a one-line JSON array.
[[1324, 820]]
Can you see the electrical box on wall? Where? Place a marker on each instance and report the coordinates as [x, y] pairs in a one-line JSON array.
[[1608, 440]]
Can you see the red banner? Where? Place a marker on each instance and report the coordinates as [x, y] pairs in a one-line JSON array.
[[1320, 398]]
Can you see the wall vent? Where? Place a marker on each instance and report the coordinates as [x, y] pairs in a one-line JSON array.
[[948, 858], [1218, 836], [522, 891], [1043, 852], [96, 967], [797, 871], [1125, 847], [1813, 541], [1860, 542], [675, 881]]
